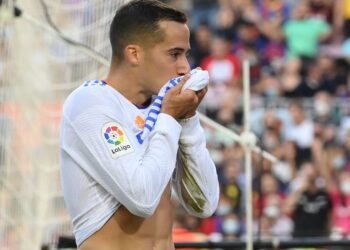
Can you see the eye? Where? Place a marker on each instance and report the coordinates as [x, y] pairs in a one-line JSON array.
[[175, 55]]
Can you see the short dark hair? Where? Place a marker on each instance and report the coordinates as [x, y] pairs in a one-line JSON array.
[[138, 21]]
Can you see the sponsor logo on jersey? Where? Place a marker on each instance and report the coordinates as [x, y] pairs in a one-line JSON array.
[[116, 140], [139, 122]]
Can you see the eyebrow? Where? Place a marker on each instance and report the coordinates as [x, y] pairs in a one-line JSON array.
[[180, 50]]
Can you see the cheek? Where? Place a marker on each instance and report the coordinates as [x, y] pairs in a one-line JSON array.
[[160, 70], [166, 70], [161, 65]]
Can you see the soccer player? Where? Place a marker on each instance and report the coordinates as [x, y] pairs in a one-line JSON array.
[[118, 190]]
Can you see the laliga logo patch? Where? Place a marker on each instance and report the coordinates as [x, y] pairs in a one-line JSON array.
[[116, 140]]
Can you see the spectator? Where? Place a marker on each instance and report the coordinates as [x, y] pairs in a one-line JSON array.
[[347, 148], [204, 10], [269, 187], [268, 86], [229, 112], [290, 76], [200, 44], [340, 194], [309, 204], [334, 73], [322, 9], [227, 23], [250, 45], [311, 83], [223, 67], [271, 15], [231, 187], [231, 227], [324, 114], [274, 223], [333, 165], [301, 132], [224, 71], [285, 168], [303, 34]]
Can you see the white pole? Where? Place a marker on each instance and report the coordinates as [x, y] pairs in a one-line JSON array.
[[235, 137], [248, 156], [246, 96]]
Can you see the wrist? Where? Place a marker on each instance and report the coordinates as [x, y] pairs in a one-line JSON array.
[[188, 115]]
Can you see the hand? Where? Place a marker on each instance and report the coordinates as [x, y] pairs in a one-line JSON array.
[[181, 104], [200, 95]]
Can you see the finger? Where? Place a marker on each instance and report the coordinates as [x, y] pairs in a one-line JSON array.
[[184, 79], [201, 94], [205, 90], [178, 87], [189, 96]]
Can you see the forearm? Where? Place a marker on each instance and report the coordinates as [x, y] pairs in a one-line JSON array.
[[196, 181], [292, 201]]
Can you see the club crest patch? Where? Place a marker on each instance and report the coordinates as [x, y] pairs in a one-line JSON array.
[[116, 140]]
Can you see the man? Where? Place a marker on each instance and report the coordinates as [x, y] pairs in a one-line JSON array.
[[117, 189], [309, 204], [303, 33]]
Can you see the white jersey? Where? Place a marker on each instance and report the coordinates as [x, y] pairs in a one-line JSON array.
[[103, 166]]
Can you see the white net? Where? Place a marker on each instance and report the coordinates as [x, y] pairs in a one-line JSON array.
[[37, 71]]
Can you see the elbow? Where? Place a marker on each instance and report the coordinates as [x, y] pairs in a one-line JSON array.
[[205, 208], [210, 209], [212, 204], [199, 204], [204, 212]]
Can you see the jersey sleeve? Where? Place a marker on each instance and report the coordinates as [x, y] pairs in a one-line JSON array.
[[136, 178], [195, 180]]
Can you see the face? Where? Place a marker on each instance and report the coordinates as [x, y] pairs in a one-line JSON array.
[[219, 48], [269, 184], [301, 11], [232, 172], [309, 172], [297, 114], [166, 59], [203, 35]]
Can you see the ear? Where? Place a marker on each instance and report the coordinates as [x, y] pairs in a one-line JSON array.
[[133, 54]]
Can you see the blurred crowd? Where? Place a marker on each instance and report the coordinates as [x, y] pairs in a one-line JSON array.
[[299, 54]]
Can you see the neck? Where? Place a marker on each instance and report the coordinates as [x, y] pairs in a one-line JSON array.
[[127, 83]]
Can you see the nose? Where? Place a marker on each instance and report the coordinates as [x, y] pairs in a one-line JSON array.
[[183, 66]]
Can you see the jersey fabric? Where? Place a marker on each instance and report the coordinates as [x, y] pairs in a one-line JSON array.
[[103, 166]]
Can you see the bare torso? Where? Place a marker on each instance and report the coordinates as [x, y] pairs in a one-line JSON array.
[[125, 231]]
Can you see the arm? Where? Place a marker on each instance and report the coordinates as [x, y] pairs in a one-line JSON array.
[[137, 178], [136, 175], [321, 159], [292, 200], [196, 182], [338, 18]]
